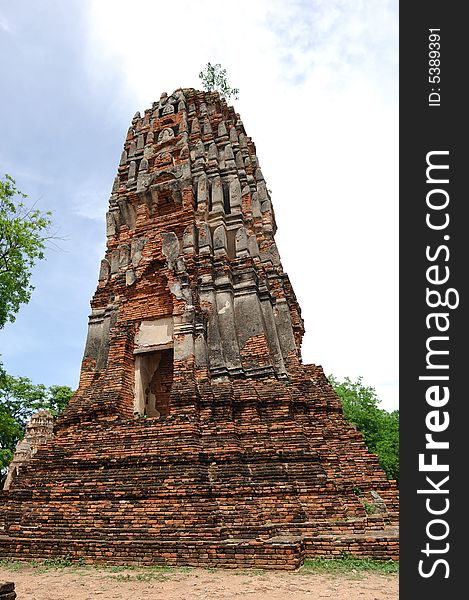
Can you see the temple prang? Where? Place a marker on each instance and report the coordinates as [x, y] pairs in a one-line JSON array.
[[197, 436]]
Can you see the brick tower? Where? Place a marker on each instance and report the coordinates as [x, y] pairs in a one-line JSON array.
[[197, 436]]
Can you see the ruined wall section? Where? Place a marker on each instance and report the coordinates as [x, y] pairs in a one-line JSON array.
[[150, 206], [190, 235], [39, 430], [242, 285]]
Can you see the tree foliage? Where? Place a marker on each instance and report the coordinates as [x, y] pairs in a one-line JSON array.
[[215, 78], [380, 429], [23, 233], [19, 399], [10, 433]]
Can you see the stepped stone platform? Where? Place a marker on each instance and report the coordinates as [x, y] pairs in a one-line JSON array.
[[196, 436]]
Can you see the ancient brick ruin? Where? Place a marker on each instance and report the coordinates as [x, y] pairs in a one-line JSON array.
[[39, 430], [197, 436]]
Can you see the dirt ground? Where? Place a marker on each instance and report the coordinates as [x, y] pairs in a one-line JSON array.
[[36, 583]]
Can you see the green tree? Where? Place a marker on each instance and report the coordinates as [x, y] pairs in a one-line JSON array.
[[57, 398], [215, 78], [380, 429], [387, 447], [10, 433], [19, 399], [23, 234]]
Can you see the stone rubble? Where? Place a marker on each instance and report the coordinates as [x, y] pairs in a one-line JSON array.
[[7, 590]]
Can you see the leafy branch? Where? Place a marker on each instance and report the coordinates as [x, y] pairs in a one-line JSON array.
[[215, 78], [24, 232]]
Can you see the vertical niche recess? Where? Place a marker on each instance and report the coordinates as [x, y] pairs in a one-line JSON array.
[[153, 354]]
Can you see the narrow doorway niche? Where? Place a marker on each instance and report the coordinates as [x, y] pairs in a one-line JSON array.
[[153, 351], [153, 382]]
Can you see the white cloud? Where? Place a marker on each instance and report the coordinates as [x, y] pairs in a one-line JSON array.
[[31, 176], [4, 24], [88, 202]]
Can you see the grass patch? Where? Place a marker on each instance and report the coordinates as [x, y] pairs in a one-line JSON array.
[[113, 568], [60, 562], [12, 565], [349, 565], [185, 569], [147, 573], [345, 565], [137, 577], [116, 572], [251, 572]]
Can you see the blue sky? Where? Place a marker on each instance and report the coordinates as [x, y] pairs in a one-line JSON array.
[[318, 95]]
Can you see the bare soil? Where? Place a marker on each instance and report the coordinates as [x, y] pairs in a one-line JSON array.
[[76, 583]]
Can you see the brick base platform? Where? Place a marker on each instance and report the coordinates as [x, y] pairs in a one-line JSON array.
[[287, 553], [232, 553], [262, 489]]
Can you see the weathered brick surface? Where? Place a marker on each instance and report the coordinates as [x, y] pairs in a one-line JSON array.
[[249, 460]]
